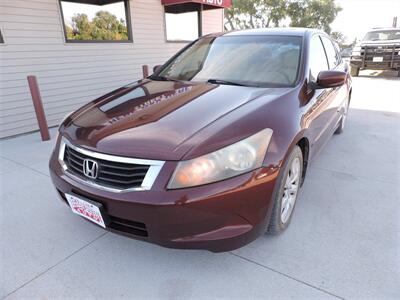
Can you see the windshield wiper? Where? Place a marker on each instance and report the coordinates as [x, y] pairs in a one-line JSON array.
[[162, 78], [220, 81]]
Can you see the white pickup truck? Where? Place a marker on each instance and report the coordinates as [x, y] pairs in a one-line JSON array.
[[379, 50]]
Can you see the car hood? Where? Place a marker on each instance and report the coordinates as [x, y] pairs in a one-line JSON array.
[[155, 119]]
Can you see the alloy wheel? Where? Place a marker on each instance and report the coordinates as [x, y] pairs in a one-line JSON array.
[[290, 190], [344, 116]]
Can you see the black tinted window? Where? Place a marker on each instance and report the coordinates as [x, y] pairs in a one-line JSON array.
[[318, 60], [331, 53]]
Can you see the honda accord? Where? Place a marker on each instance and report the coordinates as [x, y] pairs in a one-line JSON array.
[[211, 150]]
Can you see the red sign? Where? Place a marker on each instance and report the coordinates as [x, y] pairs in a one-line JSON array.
[[216, 3]]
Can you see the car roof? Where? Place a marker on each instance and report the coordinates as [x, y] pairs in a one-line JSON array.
[[293, 31]]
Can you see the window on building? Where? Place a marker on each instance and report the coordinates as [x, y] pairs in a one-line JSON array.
[[96, 20], [182, 23], [1, 38]]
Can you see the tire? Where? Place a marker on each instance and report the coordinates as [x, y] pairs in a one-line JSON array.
[[342, 122], [354, 71], [280, 221]]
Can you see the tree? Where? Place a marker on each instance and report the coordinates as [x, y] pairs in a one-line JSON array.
[[104, 26], [313, 13], [265, 13], [81, 27], [246, 14]]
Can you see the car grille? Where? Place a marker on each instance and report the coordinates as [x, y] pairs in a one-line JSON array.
[[110, 173], [390, 53]]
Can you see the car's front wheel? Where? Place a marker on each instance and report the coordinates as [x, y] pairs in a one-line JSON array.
[[285, 198]]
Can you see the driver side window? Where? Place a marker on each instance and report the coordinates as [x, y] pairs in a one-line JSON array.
[[317, 58]]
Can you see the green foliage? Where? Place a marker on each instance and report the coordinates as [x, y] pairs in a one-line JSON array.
[[104, 26], [246, 14], [313, 13], [266, 13]]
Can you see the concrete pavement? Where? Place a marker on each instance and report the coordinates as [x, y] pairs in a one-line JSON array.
[[343, 242]]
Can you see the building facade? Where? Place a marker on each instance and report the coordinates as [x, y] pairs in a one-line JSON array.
[[75, 63]]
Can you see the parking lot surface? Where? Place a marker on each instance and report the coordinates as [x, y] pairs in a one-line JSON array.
[[343, 242]]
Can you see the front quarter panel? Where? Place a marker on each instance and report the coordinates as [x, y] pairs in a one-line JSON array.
[[282, 114]]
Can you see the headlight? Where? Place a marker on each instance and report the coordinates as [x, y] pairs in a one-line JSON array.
[[241, 157]]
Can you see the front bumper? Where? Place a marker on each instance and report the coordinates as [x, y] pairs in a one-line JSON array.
[[218, 217], [385, 65], [378, 57]]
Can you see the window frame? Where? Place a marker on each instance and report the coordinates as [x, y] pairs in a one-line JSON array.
[[128, 26], [199, 26]]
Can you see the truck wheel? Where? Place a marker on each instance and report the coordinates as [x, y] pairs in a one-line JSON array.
[[354, 71]]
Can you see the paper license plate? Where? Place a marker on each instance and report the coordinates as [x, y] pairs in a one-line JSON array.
[[377, 59], [89, 210]]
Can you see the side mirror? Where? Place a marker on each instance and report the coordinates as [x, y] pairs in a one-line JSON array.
[[330, 79], [156, 68]]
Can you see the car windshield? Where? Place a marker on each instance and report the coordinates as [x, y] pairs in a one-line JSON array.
[[383, 35], [240, 60]]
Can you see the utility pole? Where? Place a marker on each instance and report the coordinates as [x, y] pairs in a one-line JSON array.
[[394, 22]]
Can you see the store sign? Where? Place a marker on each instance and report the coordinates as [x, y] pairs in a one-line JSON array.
[[214, 2]]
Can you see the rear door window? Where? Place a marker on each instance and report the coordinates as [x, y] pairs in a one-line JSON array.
[[331, 53]]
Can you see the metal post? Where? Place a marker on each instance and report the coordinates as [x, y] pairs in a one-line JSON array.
[[145, 70], [38, 105]]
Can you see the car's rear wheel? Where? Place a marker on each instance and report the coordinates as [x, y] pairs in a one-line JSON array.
[[343, 119], [354, 71], [285, 198]]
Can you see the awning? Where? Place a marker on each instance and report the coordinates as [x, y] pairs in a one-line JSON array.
[[94, 2], [207, 4]]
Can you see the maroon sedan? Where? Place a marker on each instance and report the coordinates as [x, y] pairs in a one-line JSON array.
[[210, 151]]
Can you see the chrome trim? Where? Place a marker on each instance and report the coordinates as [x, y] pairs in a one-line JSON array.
[[148, 181]]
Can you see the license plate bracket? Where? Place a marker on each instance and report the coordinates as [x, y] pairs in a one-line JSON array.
[[88, 209]]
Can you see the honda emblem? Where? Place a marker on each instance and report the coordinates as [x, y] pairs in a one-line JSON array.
[[90, 168]]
